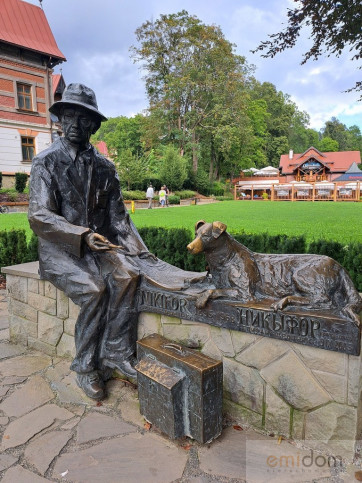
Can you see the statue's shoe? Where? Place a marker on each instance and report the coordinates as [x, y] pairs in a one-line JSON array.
[[126, 367], [92, 385]]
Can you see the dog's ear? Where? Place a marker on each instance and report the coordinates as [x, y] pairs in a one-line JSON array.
[[199, 224], [218, 228]]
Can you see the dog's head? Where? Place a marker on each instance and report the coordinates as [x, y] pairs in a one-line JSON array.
[[206, 235]]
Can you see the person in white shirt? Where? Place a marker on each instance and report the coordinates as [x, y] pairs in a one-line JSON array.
[[149, 195]]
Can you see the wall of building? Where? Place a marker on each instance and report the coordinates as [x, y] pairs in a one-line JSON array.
[[28, 68]]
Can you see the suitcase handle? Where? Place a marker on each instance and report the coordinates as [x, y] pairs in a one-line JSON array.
[[177, 348]]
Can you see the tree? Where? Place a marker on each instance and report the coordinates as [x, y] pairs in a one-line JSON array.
[[132, 170], [334, 25], [328, 144], [173, 170], [193, 79]]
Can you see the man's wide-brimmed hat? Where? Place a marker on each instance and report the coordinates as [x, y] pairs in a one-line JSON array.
[[78, 95]]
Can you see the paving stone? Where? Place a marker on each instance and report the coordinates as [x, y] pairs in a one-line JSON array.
[[17, 287], [10, 350], [24, 365], [42, 303], [11, 380], [241, 340], [33, 394], [19, 475], [3, 390], [263, 352], [58, 371], [322, 360], [277, 413], [129, 406], [4, 321], [133, 458], [295, 383], [68, 392], [247, 455], [222, 340], [41, 451], [23, 310], [334, 384], [23, 429], [298, 429], [4, 421], [148, 324], [66, 347], [244, 385], [7, 460], [95, 426], [334, 426], [71, 424], [4, 334]]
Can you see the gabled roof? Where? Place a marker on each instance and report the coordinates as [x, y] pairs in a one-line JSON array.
[[352, 174], [337, 162], [58, 83], [102, 148], [25, 25]]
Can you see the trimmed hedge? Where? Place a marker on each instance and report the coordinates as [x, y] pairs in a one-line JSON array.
[[170, 245], [20, 182]]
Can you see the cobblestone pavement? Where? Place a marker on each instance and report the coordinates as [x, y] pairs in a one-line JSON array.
[[50, 431]]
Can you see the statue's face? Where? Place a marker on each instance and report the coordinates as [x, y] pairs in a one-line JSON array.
[[77, 124]]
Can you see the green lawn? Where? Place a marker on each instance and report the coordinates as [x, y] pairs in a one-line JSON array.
[[341, 222]]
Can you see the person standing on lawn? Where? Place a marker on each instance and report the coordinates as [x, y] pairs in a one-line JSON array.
[[149, 195], [162, 196]]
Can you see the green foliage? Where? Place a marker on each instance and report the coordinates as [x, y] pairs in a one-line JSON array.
[[223, 198], [11, 193], [173, 170], [133, 195], [328, 144], [13, 247], [131, 169], [173, 200], [20, 181], [185, 194]]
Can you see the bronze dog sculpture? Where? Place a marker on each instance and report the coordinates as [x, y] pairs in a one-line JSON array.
[[315, 282]]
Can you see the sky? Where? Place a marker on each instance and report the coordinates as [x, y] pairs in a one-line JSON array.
[[95, 37]]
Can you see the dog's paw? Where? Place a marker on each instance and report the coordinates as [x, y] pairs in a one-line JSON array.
[[202, 299], [279, 304]]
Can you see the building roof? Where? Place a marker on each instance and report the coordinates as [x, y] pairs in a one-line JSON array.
[[25, 25], [337, 162], [58, 84], [102, 148], [352, 174]]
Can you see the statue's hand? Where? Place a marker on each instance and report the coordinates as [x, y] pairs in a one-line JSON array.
[[97, 242]]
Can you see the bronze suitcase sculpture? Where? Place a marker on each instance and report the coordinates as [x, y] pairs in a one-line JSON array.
[[180, 390]]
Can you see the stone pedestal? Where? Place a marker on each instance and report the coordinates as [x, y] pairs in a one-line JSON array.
[[294, 390]]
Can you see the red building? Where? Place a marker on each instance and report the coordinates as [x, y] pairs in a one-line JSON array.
[[28, 54]]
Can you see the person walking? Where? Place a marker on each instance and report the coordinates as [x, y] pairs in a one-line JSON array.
[[167, 194], [149, 195], [162, 196]]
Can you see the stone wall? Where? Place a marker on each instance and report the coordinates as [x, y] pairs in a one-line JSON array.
[[289, 389]]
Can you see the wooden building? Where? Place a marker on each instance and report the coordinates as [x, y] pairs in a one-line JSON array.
[[28, 54]]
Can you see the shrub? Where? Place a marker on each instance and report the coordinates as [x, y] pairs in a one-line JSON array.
[[174, 200], [185, 194], [223, 198], [13, 247], [134, 195], [20, 181]]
